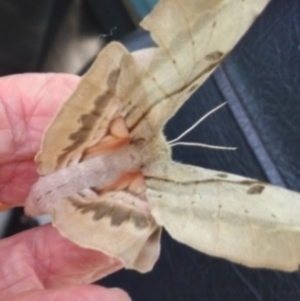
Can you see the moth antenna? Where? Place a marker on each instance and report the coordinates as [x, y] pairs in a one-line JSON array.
[[196, 123], [203, 145], [175, 141]]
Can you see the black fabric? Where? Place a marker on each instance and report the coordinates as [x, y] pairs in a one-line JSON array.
[[112, 18], [18, 222], [260, 83], [23, 27], [30, 31]]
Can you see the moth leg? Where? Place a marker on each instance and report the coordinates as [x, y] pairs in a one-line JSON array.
[[117, 137], [132, 182]]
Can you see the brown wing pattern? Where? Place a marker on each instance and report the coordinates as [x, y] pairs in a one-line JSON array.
[[118, 223], [83, 120]]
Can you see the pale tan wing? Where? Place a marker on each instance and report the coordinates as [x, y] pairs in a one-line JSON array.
[[111, 224], [193, 37], [84, 118], [228, 216], [151, 86]]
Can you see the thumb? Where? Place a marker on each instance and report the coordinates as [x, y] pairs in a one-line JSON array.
[[74, 293]]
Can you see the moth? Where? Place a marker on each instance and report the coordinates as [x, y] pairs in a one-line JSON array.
[[106, 173]]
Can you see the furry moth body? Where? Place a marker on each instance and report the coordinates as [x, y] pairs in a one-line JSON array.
[[119, 205], [95, 172]]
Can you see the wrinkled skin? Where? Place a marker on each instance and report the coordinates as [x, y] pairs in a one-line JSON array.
[[39, 264]]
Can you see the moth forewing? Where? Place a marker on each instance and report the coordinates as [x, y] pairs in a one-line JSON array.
[[84, 118]]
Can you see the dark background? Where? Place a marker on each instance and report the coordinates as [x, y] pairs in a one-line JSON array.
[[260, 81]]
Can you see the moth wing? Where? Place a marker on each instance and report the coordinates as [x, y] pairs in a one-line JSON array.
[[228, 216], [104, 223], [152, 84], [192, 38], [84, 118], [151, 87]]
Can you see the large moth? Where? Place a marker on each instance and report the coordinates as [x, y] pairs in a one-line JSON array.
[[107, 177]]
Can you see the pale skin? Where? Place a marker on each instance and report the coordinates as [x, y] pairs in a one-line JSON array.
[[40, 264]]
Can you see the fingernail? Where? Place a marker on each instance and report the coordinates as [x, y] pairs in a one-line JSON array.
[[120, 294]]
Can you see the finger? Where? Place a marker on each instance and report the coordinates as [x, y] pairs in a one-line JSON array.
[[16, 180], [74, 293], [27, 105], [41, 258]]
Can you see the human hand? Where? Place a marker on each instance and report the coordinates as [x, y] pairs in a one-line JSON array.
[[40, 264]]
